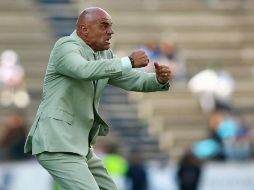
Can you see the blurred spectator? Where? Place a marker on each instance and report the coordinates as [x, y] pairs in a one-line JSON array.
[[215, 118], [13, 138], [161, 175], [229, 138], [136, 174], [171, 54], [207, 149], [12, 80], [152, 49], [153, 52], [189, 171], [214, 89], [165, 52], [235, 136], [116, 165]]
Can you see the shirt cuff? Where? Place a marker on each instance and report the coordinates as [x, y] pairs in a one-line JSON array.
[[126, 63]]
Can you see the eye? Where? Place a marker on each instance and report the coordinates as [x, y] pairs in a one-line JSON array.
[[104, 26]]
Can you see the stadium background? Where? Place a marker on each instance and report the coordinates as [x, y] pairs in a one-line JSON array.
[[160, 125]]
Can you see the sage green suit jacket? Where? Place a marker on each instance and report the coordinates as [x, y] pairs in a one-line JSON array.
[[68, 112]]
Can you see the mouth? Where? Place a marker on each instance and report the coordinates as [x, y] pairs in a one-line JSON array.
[[108, 40]]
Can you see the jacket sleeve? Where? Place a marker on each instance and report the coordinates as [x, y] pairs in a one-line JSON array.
[[68, 61], [139, 81]]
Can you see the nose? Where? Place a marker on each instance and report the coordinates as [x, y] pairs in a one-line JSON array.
[[110, 31]]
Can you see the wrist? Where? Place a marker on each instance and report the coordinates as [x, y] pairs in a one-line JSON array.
[[132, 61], [161, 81]]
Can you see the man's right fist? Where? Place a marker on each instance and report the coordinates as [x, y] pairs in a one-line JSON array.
[[140, 59]]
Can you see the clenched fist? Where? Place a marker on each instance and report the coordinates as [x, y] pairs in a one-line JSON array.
[[140, 59]]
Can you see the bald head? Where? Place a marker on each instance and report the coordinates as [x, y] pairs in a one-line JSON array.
[[94, 27], [91, 14]]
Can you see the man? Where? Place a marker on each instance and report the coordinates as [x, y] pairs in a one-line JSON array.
[[67, 121]]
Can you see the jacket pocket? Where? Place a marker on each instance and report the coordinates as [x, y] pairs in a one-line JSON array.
[[62, 116]]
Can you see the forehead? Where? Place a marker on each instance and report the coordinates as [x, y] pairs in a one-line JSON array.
[[103, 17]]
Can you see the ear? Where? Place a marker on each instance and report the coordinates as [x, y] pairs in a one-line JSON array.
[[84, 29]]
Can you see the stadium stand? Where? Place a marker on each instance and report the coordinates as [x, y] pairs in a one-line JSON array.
[[211, 34], [24, 30], [220, 35]]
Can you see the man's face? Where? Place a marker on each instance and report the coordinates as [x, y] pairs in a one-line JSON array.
[[99, 33]]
